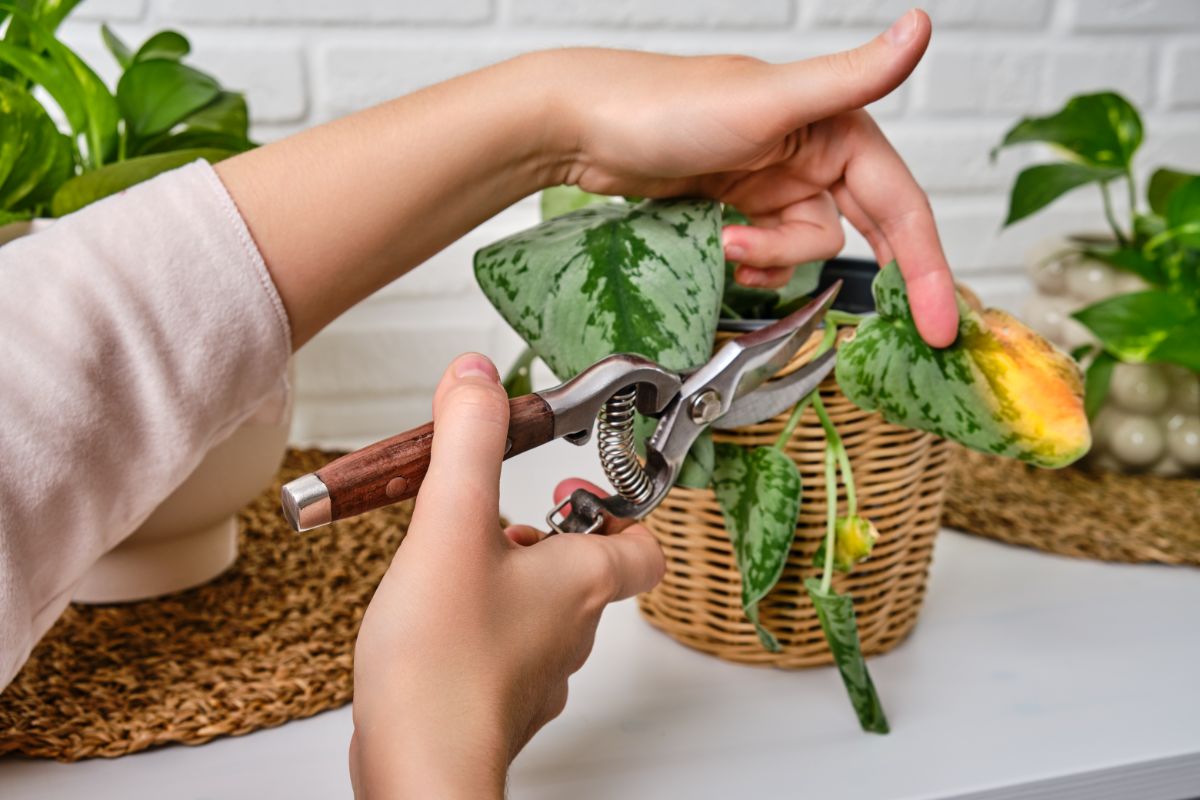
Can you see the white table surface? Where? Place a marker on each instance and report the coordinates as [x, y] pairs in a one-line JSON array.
[[1028, 676]]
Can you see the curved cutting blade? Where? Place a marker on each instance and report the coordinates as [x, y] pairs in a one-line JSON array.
[[775, 397]]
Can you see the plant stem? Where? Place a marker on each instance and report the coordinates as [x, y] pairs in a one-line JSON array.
[[790, 426], [1129, 180], [830, 516], [828, 340], [729, 312], [843, 317], [1108, 213], [843, 458]]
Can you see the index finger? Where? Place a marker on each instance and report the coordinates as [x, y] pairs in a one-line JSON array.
[[882, 187], [633, 554]]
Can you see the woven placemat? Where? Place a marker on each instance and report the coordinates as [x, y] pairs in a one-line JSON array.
[[270, 640], [1101, 515]]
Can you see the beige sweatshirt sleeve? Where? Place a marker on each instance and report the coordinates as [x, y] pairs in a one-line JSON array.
[[134, 335]]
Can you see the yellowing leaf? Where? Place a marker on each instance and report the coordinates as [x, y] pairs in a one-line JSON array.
[[1000, 388]]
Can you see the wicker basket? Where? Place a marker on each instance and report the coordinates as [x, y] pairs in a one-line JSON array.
[[900, 475]]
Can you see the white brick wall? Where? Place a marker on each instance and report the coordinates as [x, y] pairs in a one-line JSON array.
[[306, 61]]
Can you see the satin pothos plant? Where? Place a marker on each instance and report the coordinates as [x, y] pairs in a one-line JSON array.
[[602, 276]]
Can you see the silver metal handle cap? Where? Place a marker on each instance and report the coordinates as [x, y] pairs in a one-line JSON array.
[[306, 503]]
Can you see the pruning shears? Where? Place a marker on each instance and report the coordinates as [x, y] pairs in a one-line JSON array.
[[731, 390]]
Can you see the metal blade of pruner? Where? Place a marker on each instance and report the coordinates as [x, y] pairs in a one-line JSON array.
[[727, 391]]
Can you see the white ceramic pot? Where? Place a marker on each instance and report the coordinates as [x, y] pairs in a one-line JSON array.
[[191, 537], [1150, 421]]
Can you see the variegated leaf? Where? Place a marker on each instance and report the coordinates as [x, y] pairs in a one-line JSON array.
[[617, 278], [1000, 388], [759, 493]]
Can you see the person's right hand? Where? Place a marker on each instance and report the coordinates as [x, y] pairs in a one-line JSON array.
[[466, 647]]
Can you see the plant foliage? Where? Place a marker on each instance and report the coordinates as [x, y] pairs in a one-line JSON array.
[[162, 114]]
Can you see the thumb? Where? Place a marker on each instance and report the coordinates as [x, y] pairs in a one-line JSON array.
[[461, 490], [828, 85]]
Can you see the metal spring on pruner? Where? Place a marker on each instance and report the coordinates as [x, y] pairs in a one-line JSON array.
[[618, 458]]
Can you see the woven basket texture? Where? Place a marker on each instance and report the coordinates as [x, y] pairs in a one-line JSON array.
[[900, 475], [269, 641], [1107, 516]]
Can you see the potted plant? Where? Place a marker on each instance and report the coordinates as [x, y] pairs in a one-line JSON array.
[[163, 114], [1125, 301], [774, 528]]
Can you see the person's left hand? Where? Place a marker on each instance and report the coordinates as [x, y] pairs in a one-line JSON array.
[[787, 144]]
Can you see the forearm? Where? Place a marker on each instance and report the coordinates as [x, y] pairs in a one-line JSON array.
[[343, 209]]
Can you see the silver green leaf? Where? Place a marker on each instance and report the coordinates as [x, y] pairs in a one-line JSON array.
[[836, 613], [605, 279], [759, 493]]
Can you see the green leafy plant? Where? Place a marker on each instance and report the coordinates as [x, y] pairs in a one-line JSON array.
[[162, 114], [600, 276], [1097, 136]]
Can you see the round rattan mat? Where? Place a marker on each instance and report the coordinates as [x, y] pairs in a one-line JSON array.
[[1102, 515], [270, 640]]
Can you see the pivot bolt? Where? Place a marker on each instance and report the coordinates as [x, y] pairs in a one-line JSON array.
[[705, 407]]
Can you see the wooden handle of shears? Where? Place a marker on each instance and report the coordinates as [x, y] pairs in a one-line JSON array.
[[393, 469]]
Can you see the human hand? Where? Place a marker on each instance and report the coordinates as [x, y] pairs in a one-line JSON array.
[[466, 647], [789, 145]]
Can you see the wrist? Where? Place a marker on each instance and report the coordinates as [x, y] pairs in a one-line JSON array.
[[410, 760], [408, 746], [552, 133]]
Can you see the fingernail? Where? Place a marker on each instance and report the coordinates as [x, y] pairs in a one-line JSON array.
[[903, 29], [476, 366], [734, 252]]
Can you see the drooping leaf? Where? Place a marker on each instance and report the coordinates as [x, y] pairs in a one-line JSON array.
[[96, 184], [156, 94], [558, 200], [1038, 186], [642, 279], [759, 493], [1163, 184], [168, 45], [1000, 388], [1102, 130], [119, 50], [836, 613], [1150, 326]]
